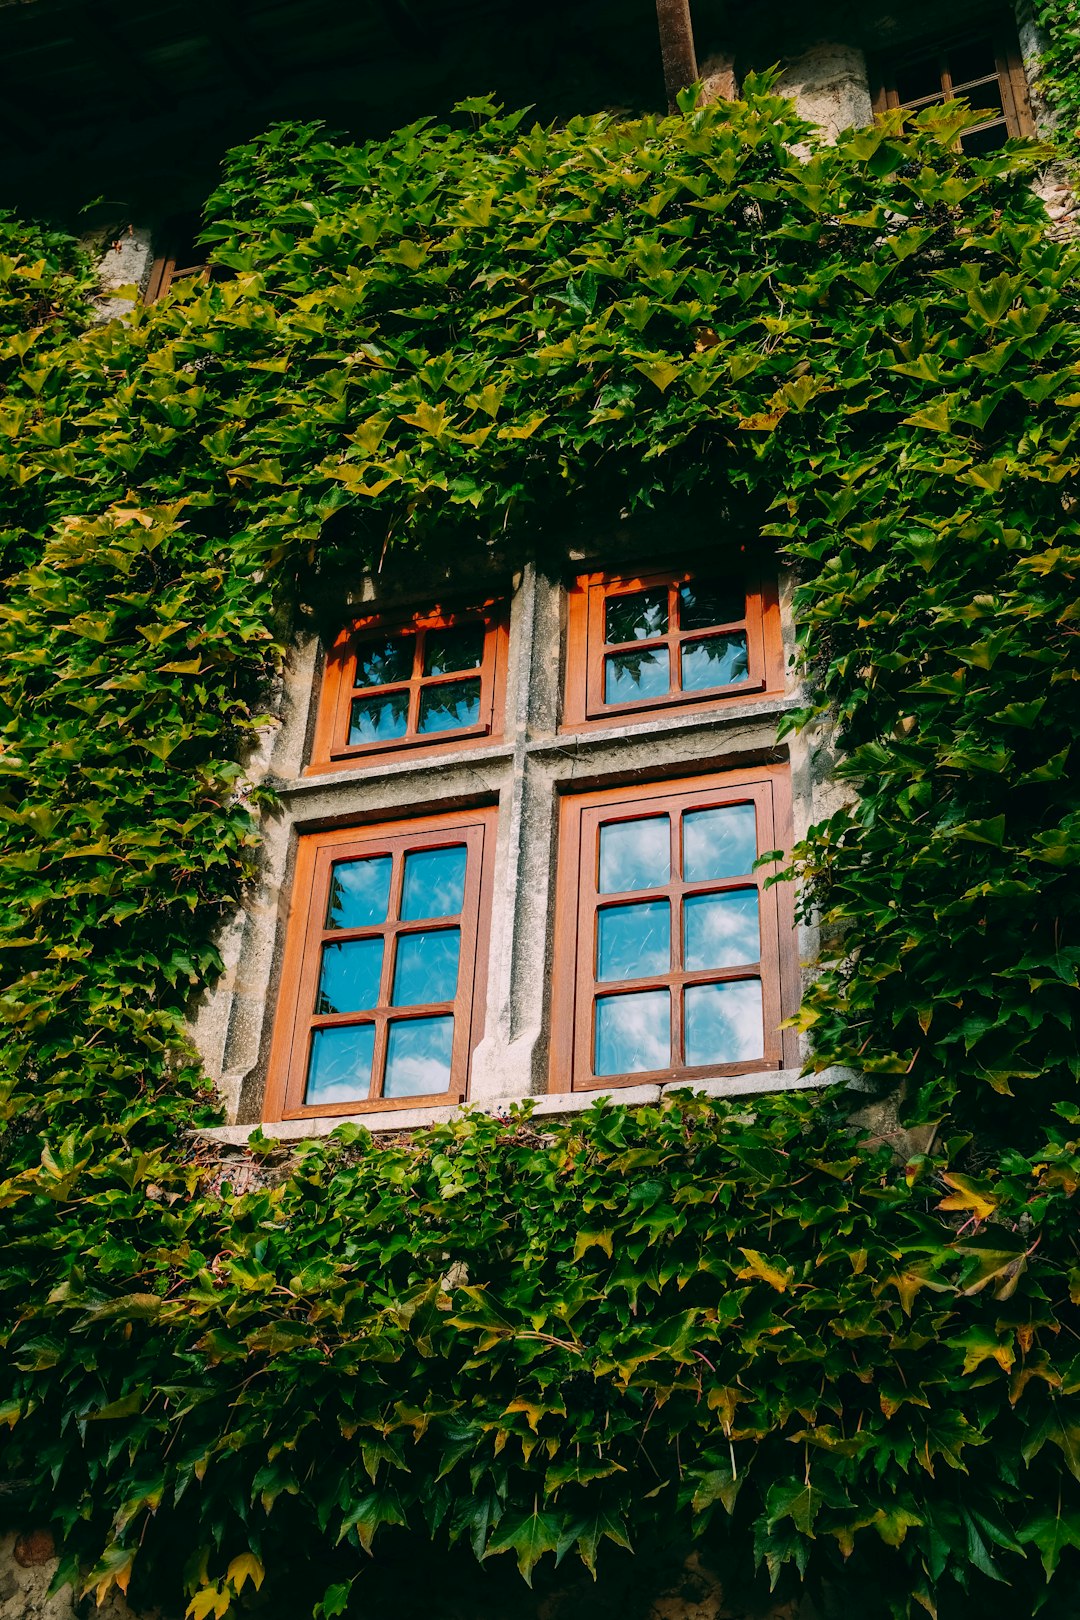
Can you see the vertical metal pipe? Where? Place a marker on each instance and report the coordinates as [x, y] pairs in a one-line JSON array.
[[676, 47]]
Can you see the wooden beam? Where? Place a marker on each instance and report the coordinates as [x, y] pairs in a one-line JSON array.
[[676, 47]]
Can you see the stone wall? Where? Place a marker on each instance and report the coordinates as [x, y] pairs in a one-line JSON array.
[[830, 87], [28, 1562], [123, 256]]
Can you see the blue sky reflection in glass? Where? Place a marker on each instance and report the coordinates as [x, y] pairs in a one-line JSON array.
[[384, 662], [721, 930], [631, 676], [418, 1057], [350, 976], [719, 843], [633, 1033], [636, 616], [724, 1022], [426, 969], [722, 660], [339, 1069], [449, 706], [633, 941], [378, 717], [635, 855], [434, 883], [359, 892]]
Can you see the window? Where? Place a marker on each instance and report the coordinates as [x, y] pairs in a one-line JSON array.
[[655, 641], [639, 947], [678, 961], [429, 682], [985, 69], [384, 966], [181, 260]]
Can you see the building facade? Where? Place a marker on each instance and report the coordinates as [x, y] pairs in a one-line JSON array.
[[527, 814]]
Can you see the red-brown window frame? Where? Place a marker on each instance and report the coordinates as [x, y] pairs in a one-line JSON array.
[[575, 987], [1008, 62], [316, 856], [331, 749], [583, 703], [167, 270]]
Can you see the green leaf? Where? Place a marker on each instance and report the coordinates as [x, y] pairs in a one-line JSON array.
[[1051, 1534], [528, 1536], [600, 1526]]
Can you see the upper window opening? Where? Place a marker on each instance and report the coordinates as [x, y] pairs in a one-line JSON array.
[[656, 641], [984, 69], [430, 681], [180, 260]]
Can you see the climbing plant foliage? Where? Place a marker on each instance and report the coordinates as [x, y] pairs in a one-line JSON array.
[[1059, 35], [336, 1378]]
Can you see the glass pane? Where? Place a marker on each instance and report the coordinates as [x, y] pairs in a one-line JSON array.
[[719, 843], [378, 719], [703, 603], [723, 1022], [418, 1057], [633, 941], [721, 930], [349, 978], [434, 883], [637, 617], [447, 650], [381, 663], [919, 79], [633, 1033], [427, 967], [635, 855], [717, 661], [972, 60], [984, 98], [359, 893], [449, 707], [631, 676], [339, 1069], [980, 141]]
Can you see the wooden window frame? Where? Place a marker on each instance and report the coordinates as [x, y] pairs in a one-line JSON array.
[[166, 271], [575, 987], [331, 749], [1008, 62], [317, 854], [584, 707]]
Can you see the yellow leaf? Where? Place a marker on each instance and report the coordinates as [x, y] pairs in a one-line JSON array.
[[117, 1574], [369, 435], [592, 1240], [968, 1196], [661, 373], [246, 1567], [488, 400], [523, 430], [213, 1600], [429, 418], [765, 1271], [532, 1410]]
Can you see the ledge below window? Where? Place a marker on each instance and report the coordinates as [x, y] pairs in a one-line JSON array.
[[573, 1102]]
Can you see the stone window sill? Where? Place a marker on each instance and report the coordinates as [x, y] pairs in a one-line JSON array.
[[408, 1119]]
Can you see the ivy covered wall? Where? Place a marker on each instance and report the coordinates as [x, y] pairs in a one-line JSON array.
[[753, 1335]]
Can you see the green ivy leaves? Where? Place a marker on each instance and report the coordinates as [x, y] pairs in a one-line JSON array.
[[685, 1325]]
